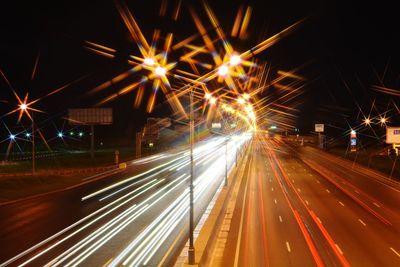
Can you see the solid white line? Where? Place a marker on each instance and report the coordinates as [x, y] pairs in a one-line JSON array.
[[288, 246], [338, 248], [376, 205], [341, 203], [363, 223], [395, 252], [280, 218], [319, 220]]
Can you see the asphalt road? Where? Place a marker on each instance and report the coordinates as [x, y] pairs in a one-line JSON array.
[[298, 206], [138, 216]]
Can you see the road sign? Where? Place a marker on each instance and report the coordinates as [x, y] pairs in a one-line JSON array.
[[90, 116], [216, 125], [319, 128], [393, 135]]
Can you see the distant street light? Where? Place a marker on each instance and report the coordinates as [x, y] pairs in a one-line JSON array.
[[213, 100], [207, 96], [23, 106], [60, 134], [367, 121], [80, 134], [241, 100], [160, 71], [12, 137], [149, 61], [223, 70], [235, 60]]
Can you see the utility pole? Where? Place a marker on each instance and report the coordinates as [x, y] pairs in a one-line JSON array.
[[92, 141], [191, 251], [226, 161], [33, 147]]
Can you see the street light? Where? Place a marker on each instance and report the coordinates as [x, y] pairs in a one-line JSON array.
[[191, 251], [223, 70], [367, 121], [241, 100], [12, 137], [60, 134], [160, 71], [23, 107], [213, 100], [149, 61], [235, 60]]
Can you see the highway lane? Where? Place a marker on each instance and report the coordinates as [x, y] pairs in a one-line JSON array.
[[365, 183], [264, 230], [285, 201], [137, 215], [364, 236]]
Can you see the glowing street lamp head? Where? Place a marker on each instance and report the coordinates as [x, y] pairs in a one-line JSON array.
[[223, 70], [241, 100], [213, 100], [383, 120], [246, 96], [149, 61], [60, 135], [235, 60], [23, 106], [160, 71], [80, 134], [207, 96], [12, 137], [28, 135], [353, 132], [367, 121]]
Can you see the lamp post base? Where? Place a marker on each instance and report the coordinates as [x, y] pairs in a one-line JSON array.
[[191, 256]]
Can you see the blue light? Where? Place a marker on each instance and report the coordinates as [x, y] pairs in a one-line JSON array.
[[61, 135], [12, 137]]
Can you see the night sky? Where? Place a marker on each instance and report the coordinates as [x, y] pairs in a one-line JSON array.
[[343, 48]]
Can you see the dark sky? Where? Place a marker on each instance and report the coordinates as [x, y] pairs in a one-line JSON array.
[[344, 47]]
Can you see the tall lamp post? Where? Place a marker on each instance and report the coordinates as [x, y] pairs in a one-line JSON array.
[[191, 250], [23, 108]]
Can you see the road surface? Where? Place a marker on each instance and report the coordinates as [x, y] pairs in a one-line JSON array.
[[298, 206]]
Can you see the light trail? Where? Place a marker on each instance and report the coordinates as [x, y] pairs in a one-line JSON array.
[[85, 247]]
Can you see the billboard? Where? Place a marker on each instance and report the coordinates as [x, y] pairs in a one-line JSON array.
[[319, 128], [90, 116], [393, 135]]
